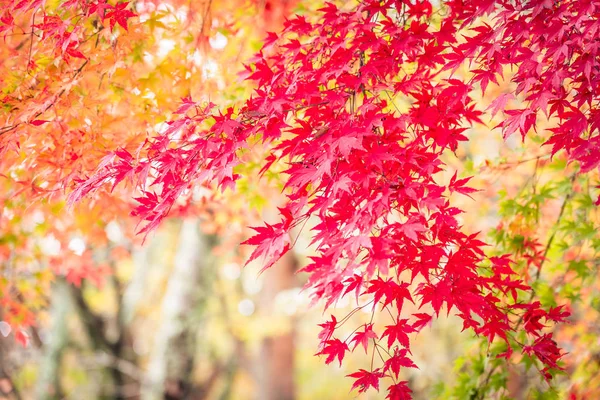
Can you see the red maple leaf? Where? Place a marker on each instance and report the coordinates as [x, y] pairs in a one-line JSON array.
[[332, 349], [423, 319], [397, 361], [363, 337], [546, 350], [389, 291], [558, 314], [118, 14], [398, 332], [459, 186], [99, 8], [271, 241], [400, 391], [355, 283], [531, 319], [412, 229], [327, 331], [366, 379]]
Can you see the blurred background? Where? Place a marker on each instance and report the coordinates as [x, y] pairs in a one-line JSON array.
[[181, 319]]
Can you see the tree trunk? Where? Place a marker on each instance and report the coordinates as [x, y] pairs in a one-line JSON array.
[[172, 359], [276, 363], [48, 385], [134, 291], [8, 390]]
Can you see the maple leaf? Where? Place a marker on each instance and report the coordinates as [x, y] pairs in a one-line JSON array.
[[332, 349], [531, 319], [558, 314], [436, 294], [389, 291], [346, 144], [72, 51], [459, 186], [271, 241], [6, 22], [518, 119], [271, 39], [397, 361], [355, 283], [493, 328], [366, 379], [423, 319], [99, 7], [412, 228], [398, 332], [328, 329], [118, 15], [399, 391], [546, 350], [501, 265], [363, 337], [186, 104]]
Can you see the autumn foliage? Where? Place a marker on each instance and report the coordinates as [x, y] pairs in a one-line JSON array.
[[357, 110]]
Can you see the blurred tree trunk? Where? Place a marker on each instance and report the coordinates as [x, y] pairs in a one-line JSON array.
[[95, 327], [172, 358], [137, 286], [276, 361], [49, 372], [516, 382], [8, 389]]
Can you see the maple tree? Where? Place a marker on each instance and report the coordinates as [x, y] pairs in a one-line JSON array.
[[358, 110]]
